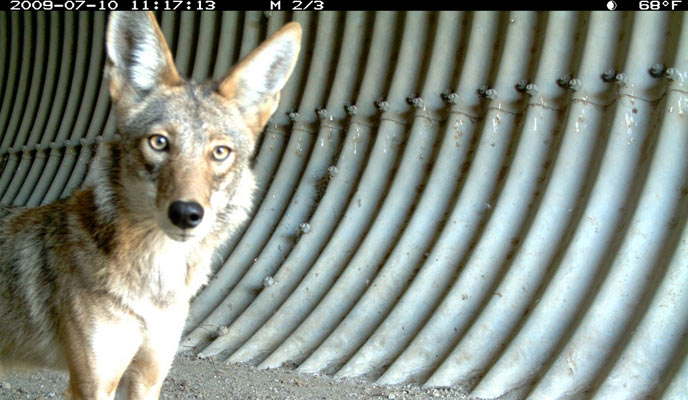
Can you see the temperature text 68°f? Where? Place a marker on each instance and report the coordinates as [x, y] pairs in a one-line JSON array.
[[656, 5]]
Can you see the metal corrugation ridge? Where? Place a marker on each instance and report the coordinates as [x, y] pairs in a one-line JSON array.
[[491, 201]]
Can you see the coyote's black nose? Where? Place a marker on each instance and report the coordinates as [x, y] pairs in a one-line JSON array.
[[185, 214]]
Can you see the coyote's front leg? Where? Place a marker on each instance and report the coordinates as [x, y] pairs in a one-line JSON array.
[[152, 362], [98, 353]]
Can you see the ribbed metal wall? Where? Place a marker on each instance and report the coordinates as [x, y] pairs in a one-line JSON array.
[[491, 200]]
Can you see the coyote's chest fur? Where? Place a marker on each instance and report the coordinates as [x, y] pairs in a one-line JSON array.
[[169, 273]]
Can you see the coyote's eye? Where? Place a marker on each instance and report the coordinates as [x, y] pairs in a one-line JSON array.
[[158, 142], [220, 153]]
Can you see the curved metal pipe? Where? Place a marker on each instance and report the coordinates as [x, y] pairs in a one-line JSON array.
[[588, 348], [299, 222], [11, 88], [89, 118], [9, 120], [74, 76], [331, 206], [211, 309], [357, 218], [300, 204], [382, 291]]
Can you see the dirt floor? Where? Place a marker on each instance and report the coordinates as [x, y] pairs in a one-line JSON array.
[[192, 378]]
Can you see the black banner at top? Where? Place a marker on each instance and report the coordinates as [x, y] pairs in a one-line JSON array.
[[341, 5]]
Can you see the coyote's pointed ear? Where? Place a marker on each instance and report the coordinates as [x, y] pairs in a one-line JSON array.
[[255, 83], [138, 57]]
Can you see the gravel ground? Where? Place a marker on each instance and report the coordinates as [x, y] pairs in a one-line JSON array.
[[192, 378]]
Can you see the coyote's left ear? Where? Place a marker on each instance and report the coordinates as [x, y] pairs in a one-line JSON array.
[[255, 83], [138, 57]]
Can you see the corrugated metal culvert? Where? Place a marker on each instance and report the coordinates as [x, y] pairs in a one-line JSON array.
[[492, 200]]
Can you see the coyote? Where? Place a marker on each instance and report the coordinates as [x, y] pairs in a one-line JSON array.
[[100, 283]]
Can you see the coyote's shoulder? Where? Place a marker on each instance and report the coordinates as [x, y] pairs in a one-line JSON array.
[[99, 283]]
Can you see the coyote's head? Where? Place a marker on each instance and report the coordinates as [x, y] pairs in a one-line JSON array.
[[185, 149]]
